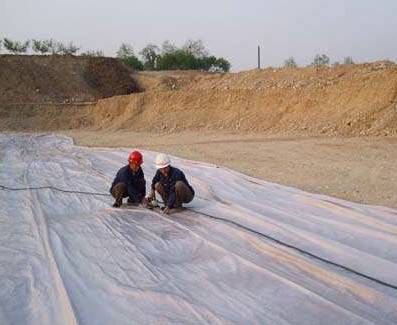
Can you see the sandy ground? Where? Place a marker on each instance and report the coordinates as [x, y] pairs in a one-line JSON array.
[[357, 169]]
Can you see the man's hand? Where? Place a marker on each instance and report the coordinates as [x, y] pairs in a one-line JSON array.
[[151, 196], [145, 202]]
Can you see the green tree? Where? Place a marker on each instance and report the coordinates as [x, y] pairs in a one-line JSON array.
[[348, 60], [150, 55], [168, 47], [125, 50], [191, 56], [213, 64], [67, 49], [42, 47], [93, 53], [222, 65], [53, 46], [126, 55], [47, 46], [321, 60], [290, 63], [15, 46], [133, 62], [195, 48], [179, 59], [207, 63]]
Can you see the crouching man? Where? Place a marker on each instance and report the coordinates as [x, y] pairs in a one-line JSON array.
[[171, 184], [130, 182]]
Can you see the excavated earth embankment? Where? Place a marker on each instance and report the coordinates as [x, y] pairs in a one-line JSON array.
[[325, 130], [347, 100]]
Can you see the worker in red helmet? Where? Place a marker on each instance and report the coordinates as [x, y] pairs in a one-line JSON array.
[[130, 182]]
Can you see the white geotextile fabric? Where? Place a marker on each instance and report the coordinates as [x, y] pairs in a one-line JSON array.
[[70, 258]]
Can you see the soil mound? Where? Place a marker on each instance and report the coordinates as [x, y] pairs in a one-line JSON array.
[[61, 79], [347, 100]]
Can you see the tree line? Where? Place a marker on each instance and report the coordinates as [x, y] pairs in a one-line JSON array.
[[38, 46], [191, 56], [319, 60]]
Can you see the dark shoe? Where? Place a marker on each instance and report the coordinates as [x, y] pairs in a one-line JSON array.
[[117, 204], [132, 202]]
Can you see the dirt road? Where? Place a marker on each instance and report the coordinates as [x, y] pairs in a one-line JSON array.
[[357, 169]]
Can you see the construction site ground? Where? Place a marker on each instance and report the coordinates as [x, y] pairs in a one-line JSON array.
[[325, 130], [359, 169]]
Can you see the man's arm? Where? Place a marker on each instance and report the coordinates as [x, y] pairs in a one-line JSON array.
[[141, 186], [155, 179], [171, 198]]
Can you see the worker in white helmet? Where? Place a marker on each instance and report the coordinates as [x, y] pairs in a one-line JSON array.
[[171, 184]]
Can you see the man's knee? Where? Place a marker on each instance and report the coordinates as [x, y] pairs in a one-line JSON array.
[[119, 190], [158, 187], [183, 192], [180, 186]]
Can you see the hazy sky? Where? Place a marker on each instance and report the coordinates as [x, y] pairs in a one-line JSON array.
[[363, 29]]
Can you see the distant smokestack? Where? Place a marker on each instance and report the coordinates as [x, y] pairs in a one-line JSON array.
[[259, 57]]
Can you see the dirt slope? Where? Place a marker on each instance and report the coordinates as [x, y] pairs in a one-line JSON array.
[[345, 100], [265, 118], [351, 100], [61, 79]]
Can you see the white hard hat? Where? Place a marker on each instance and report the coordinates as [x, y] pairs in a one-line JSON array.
[[162, 160]]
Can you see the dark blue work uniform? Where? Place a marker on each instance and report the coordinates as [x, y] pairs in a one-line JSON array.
[[169, 182], [135, 183]]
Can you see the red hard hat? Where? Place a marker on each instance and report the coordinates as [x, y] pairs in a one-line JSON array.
[[135, 157]]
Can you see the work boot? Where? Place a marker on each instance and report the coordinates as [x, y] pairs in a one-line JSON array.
[[132, 202], [117, 204]]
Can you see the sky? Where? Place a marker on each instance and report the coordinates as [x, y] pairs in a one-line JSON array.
[[366, 30]]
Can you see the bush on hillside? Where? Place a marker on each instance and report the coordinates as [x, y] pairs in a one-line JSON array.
[[126, 55], [16, 47], [168, 47], [191, 56], [348, 60], [290, 63], [195, 48], [150, 55], [321, 60], [42, 47], [67, 49], [93, 54], [54, 47]]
